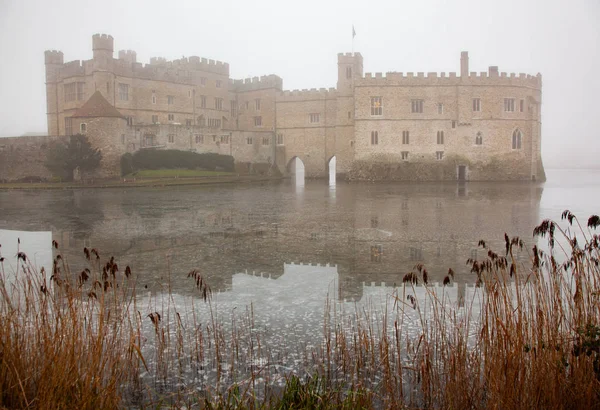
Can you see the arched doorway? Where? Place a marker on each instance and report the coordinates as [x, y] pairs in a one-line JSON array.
[[295, 168], [331, 165]]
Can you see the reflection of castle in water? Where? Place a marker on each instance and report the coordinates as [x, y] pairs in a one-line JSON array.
[[373, 233]]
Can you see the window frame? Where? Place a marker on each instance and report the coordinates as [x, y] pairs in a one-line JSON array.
[[376, 106], [405, 137], [509, 104], [417, 106], [374, 137], [123, 92], [476, 104], [314, 117], [440, 137], [82, 128], [517, 140], [258, 121]]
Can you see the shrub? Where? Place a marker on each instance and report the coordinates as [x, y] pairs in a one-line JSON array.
[[126, 164]]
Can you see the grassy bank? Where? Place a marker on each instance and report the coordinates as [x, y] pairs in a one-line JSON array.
[[177, 173], [132, 181], [528, 337]]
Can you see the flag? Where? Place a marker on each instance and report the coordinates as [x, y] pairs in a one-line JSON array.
[[353, 32]]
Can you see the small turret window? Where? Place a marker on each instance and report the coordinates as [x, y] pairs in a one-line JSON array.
[[374, 138], [440, 137], [377, 106], [479, 139], [349, 72], [83, 127]]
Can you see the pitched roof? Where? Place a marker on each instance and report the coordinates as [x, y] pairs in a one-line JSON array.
[[97, 106]]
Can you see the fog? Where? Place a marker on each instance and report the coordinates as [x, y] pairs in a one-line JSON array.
[[299, 41]]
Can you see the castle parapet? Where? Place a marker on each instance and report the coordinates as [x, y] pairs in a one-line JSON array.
[[72, 69], [193, 63], [434, 79], [53, 57], [305, 95], [257, 83], [128, 56]]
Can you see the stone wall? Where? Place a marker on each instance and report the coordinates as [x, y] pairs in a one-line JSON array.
[[24, 158]]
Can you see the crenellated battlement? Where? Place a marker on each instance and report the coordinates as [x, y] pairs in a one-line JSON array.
[[72, 69], [490, 78], [349, 57], [256, 83], [129, 56], [103, 42], [307, 94], [193, 63], [53, 57]]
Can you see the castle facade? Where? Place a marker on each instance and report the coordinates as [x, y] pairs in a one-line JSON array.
[[395, 126]]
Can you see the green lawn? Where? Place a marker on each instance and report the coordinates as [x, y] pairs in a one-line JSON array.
[[174, 173]]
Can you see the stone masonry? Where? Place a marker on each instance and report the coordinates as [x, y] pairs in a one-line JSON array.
[[394, 126]]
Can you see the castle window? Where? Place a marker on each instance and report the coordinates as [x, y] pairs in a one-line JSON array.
[[376, 253], [349, 115], [279, 139], [218, 83], [154, 119], [257, 104], [218, 104], [214, 123], [517, 139], [123, 92], [188, 122], [224, 139], [203, 81], [479, 139], [171, 138], [153, 98], [453, 124], [477, 104], [203, 101], [249, 140], [265, 141], [374, 222], [258, 121], [439, 155], [83, 128], [129, 120], [233, 108], [199, 139], [68, 126], [440, 108], [374, 138], [522, 105], [80, 95], [247, 104], [416, 254], [189, 93], [416, 106], [377, 106], [314, 118], [201, 121], [171, 117], [404, 155], [349, 72], [74, 92], [405, 137], [509, 104], [170, 99], [123, 139], [440, 137]]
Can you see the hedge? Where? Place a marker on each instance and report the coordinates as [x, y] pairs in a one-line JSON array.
[[169, 159]]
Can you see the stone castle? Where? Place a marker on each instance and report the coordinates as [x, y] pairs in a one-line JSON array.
[[397, 126]]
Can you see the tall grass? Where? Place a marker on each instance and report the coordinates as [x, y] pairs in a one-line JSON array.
[[528, 336]]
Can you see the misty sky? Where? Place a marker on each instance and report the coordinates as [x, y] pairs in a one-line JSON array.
[[299, 41]]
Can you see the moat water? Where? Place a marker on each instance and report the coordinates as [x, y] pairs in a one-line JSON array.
[[284, 249]]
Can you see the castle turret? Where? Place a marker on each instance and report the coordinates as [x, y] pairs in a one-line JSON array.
[[464, 64], [103, 47], [350, 66], [54, 61]]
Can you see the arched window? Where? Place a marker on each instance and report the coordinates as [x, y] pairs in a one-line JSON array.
[[201, 121], [517, 139], [479, 139]]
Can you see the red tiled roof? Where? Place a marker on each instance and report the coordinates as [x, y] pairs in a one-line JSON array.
[[97, 106]]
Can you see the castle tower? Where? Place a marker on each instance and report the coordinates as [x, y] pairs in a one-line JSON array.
[[464, 64], [54, 61], [350, 66], [103, 47]]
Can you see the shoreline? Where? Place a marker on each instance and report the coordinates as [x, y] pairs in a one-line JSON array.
[[139, 183]]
